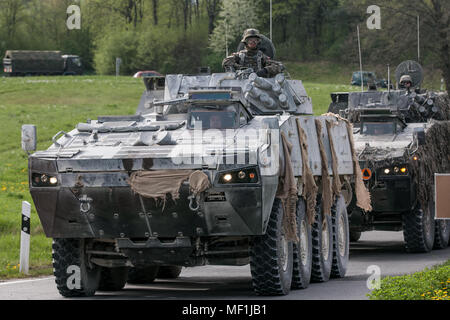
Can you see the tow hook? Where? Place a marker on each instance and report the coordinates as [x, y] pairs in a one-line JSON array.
[[85, 203], [193, 198]]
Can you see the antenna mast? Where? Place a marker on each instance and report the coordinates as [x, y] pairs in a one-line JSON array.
[[360, 61]]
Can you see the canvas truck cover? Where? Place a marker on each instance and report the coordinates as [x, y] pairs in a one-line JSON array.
[[32, 61]]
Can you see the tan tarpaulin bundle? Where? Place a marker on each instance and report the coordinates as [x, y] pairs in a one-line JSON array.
[[198, 182], [287, 193], [158, 184], [327, 190], [363, 199], [310, 188]]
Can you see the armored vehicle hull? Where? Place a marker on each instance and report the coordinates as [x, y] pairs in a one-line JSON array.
[[391, 131], [226, 169]]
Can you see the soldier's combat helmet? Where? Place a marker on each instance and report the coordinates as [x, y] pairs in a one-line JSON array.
[[405, 78], [250, 33]]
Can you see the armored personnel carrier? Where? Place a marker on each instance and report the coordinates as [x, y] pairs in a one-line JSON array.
[[219, 169], [401, 138]]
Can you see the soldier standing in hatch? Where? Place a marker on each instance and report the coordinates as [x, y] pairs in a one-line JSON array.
[[406, 82], [252, 57]]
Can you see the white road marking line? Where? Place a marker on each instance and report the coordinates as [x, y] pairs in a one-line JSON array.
[[24, 281]]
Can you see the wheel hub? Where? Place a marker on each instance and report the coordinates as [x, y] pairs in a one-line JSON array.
[[341, 237], [284, 253], [325, 240], [303, 243]]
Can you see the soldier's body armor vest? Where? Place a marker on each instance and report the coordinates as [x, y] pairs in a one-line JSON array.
[[248, 59]]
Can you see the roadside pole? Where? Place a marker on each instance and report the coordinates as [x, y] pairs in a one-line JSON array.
[[25, 238]]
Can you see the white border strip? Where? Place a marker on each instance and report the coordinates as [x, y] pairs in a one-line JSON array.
[[24, 281]]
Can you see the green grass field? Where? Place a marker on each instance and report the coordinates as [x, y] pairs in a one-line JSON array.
[[52, 104], [59, 103]]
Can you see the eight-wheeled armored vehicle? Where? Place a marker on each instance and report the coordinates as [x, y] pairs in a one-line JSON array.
[[401, 138], [226, 169]]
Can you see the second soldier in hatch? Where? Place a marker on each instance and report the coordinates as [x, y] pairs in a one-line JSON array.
[[252, 57]]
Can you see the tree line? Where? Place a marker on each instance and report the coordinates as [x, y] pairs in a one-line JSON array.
[[181, 35]]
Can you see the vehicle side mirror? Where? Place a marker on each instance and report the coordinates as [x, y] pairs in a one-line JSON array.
[[29, 137], [419, 135]]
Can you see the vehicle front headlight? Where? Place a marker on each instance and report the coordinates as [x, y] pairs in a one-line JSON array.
[[398, 170], [44, 180], [248, 175]]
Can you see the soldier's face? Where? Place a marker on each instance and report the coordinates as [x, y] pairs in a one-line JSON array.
[[252, 43]]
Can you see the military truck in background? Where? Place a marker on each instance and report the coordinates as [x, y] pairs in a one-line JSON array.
[[401, 138], [219, 169], [28, 63], [368, 77]]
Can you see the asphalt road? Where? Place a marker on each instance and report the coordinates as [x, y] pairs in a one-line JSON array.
[[384, 250]]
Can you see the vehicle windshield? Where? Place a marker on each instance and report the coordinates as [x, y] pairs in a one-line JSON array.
[[76, 61], [378, 128], [366, 76], [213, 117]]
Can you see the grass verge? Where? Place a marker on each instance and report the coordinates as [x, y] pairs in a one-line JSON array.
[[429, 284]]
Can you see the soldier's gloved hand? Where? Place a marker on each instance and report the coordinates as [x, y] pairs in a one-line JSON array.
[[262, 73]]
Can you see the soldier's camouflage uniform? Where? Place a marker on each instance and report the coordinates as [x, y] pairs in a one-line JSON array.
[[254, 59]]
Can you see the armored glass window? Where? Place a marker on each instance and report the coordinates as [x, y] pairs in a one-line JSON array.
[[378, 128], [213, 117]]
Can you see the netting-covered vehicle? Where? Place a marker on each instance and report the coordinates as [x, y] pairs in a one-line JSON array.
[[401, 138]]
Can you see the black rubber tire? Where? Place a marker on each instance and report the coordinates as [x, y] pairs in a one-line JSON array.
[[341, 237], [355, 236], [322, 251], [418, 230], [442, 234], [142, 275], [302, 251], [271, 271], [73, 275], [169, 272], [113, 279]]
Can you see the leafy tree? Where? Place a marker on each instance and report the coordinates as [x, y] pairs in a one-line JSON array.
[[234, 18]]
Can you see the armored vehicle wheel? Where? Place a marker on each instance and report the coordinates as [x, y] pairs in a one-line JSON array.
[[169, 272], [142, 275], [418, 229], [354, 236], [442, 234], [271, 257], [113, 279], [302, 251], [74, 275], [322, 246], [340, 238]]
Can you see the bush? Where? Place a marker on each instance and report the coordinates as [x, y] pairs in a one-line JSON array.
[[159, 48], [430, 284], [116, 45]]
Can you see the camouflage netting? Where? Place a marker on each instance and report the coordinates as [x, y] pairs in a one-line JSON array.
[[287, 192], [442, 101], [433, 157]]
